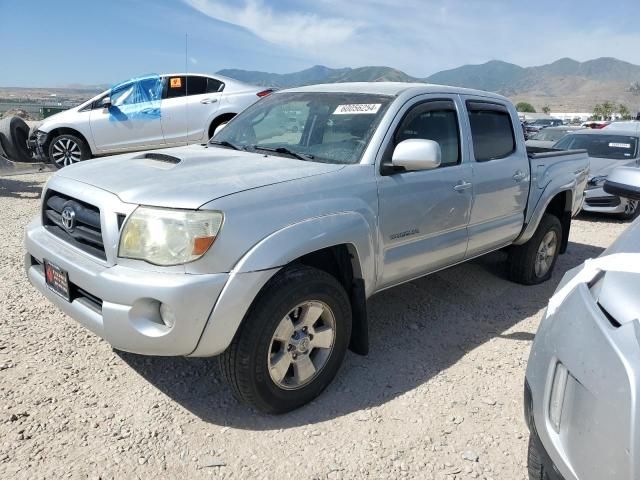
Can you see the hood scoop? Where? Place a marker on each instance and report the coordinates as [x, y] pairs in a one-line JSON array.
[[159, 160]]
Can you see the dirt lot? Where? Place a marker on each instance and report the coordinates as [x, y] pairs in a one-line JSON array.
[[438, 397]]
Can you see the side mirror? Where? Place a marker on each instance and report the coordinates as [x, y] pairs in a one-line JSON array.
[[417, 154], [624, 182], [219, 127], [105, 102]]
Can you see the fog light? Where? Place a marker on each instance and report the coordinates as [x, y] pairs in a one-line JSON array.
[[558, 389], [167, 315]]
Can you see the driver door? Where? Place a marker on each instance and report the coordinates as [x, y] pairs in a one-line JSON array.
[[424, 214]]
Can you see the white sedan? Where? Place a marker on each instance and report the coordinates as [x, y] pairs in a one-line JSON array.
[[148, 112]]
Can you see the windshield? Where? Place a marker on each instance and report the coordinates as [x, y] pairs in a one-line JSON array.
[[549, 135], [322, 127], [615, 147]]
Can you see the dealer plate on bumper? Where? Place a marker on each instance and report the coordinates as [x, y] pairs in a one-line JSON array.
[[57, 280]]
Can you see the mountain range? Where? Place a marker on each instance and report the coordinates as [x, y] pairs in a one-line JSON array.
[[565, 85]]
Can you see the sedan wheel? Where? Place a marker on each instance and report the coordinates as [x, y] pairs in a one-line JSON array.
[[65, 151]]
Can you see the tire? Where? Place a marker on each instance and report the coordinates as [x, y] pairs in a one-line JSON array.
[[631, 210], [523, 259], [535, 465], [14, 133], [251, 364], [221, 120], [66, 150]]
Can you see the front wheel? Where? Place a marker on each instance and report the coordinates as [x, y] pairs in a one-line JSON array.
[[291, 343], [68, 149], [630, 210], [533, 262]]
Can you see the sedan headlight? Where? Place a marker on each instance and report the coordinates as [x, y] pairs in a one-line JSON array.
[[168, 237]]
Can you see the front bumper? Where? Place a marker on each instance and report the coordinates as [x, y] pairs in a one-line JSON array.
[[121, 304], [36, 144], [598, 435], [597, 200]]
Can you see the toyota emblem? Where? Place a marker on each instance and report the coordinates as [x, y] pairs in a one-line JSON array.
[[68, 218]]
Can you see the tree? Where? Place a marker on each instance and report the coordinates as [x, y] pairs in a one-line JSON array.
[[598, 112], [546, 109], [607, 110], [624, 112], [525, 107]]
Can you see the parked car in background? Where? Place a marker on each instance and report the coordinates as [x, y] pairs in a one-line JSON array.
[[608, 150], [264, 245], [629, 126], [583, 375], [547, 137], [534, 126], [148, 112]]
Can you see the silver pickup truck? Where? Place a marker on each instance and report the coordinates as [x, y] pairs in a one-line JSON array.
[[264, 245]]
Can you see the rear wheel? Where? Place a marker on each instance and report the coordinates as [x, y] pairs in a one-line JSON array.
[[533, 262], [291, 343], [68, 149], [535, 465]]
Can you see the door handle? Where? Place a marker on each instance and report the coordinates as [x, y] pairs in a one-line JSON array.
[[519, 176], [462, 186], [206, 101]]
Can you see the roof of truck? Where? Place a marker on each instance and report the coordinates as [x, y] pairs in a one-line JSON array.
[[390, 88]]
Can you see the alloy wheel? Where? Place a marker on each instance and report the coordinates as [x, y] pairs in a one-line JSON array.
[[546, 253], [65, 152], [301, 345]]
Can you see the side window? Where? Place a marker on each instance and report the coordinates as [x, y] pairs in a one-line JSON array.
[[433, 120], [176, 86], [214, 86], [491, 131], [196, 85]]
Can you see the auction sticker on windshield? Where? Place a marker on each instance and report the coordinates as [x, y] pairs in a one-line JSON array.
[[620, 145], [357, 109]]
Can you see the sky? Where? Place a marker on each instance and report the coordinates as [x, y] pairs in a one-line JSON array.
[[47, 43]]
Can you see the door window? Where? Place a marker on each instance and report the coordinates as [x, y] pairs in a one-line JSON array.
[[491, 131], [435, 120], [214, 86]]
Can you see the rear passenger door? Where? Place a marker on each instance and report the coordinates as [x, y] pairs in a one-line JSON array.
[[501, 175], [424, 214], [188, 106]]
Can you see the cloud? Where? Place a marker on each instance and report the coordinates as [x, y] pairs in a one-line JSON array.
[[424, 36], [289, 29]]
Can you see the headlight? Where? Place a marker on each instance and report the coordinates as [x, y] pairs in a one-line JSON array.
[[168, 237]]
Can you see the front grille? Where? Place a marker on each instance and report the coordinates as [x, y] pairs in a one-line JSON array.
[[603, 201], [86, 234]]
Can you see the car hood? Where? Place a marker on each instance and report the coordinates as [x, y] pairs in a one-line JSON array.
[[189, 177], [603, 166]]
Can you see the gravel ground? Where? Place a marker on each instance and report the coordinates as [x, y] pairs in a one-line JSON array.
[[439, 396]]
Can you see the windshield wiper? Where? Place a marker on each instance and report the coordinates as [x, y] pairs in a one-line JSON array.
[[285, 151], [224, 143]]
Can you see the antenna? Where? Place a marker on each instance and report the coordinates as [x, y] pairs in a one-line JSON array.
[[186, 84]]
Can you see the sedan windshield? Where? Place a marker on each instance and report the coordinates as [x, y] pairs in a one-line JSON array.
[[615, 147], [321, 127]]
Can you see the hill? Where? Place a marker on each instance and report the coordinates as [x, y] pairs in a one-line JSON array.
[[564, 85]]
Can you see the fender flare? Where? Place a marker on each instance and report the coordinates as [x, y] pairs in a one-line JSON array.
[[547, 196], [296, 240]]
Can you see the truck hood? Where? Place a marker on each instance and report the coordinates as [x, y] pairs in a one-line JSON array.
[[189, 177], [603, 166]]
